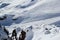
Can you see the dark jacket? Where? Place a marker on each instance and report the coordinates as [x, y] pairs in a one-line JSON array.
[[14, 33], [23, 35]]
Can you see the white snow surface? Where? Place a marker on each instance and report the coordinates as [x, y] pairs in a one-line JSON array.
[[40, 14]]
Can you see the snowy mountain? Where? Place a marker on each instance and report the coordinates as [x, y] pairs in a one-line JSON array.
[[30, 19]]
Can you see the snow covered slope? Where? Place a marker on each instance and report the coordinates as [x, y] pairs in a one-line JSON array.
[[40, 17]]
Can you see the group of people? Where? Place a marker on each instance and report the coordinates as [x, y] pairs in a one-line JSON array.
[[14, 35], [21, 36]]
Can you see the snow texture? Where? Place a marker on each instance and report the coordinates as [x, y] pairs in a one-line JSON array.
[[40, 19]]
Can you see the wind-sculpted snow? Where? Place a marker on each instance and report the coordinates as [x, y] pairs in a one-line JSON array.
[[25, 5], [31, 14], [40, 19], [57, 23], [3, 5], [10, 18]]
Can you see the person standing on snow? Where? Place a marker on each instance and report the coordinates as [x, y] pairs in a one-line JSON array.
[[23, 35], [14, 34]]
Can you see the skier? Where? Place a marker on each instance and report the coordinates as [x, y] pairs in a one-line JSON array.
[[23, 35]]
